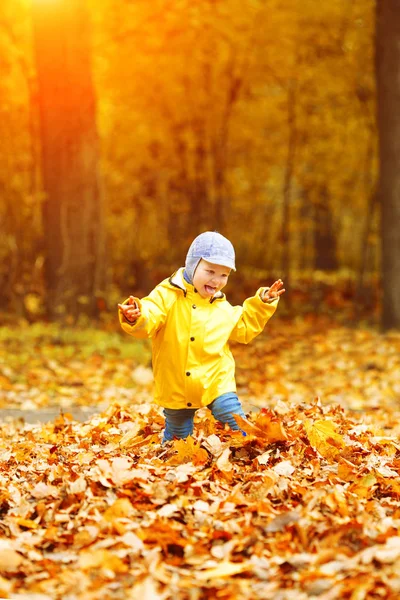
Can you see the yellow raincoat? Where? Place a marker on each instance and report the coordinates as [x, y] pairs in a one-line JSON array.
[[192, 362]]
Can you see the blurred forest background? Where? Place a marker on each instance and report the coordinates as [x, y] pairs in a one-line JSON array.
[[128, 127]]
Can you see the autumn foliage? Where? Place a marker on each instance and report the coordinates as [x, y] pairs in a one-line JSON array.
[[305, 504], [254, 118]]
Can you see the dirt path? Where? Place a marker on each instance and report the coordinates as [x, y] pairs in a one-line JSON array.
[[48, 414]]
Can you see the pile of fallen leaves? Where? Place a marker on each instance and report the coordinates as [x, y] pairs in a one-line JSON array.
[[306, 504]]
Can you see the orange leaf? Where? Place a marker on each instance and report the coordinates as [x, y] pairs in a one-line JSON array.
[[189, 451], [266, 427], [27, 523]]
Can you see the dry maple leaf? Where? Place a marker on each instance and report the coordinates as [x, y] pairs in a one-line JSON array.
[[223, 462], [130, 437], [188, 451], [267, 427], [323, 437], [214, 445]]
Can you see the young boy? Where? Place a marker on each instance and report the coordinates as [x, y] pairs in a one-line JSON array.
[[191, 324]]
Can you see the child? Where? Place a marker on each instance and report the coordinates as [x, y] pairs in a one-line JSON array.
[[191, 324]]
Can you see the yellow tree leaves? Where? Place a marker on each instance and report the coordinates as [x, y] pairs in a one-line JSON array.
[[207, 82]]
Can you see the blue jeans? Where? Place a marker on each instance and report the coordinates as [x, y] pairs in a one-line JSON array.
[[179, 422]]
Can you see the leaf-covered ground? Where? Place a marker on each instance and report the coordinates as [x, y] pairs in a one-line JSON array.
[[307, 504]]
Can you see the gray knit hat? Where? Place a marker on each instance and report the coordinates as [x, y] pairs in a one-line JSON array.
[[213, 247]]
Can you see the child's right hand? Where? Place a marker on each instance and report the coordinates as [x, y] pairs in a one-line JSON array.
[[131, 311]]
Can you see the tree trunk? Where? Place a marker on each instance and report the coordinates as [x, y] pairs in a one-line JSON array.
[[325, 258], [388, 95], [73, 209], [288, 183]]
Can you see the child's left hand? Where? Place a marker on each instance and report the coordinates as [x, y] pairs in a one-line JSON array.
[[274, 291]]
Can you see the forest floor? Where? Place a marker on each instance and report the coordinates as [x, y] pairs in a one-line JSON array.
[[307, 504]]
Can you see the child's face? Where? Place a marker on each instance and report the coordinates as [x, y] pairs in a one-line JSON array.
[[210, 278]]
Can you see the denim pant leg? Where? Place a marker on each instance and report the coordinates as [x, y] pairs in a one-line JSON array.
[[224, 407], [178, 423]]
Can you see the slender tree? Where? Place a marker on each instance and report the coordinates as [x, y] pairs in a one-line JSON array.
[[388, 96], [72, 210]]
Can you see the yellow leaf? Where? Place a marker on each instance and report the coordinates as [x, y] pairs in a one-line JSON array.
[[393, 485], [346, 471], [27, 523], [323, 437], [224, 569], [120, 509], [130, 436], [33, 303]]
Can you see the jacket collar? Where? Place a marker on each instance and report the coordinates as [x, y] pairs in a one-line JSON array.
[[178, 281]]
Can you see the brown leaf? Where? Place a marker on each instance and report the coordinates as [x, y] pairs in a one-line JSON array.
[[223, 462]]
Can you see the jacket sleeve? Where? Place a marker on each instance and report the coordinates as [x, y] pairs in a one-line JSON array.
[[154, 309], [254, 316]]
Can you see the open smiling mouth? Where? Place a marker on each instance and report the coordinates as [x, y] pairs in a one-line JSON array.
[[209, 289]]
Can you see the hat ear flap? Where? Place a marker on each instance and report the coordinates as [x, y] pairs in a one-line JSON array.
[[191, 265]]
